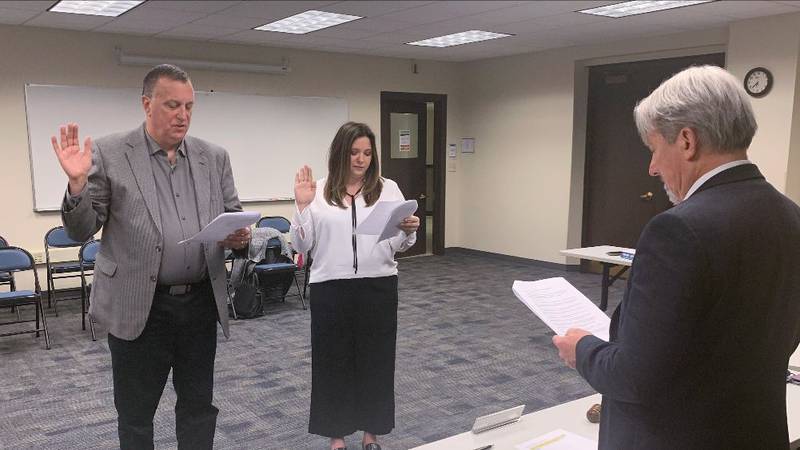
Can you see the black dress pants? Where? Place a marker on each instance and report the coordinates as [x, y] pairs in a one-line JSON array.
[[353, 335], [180, 334]]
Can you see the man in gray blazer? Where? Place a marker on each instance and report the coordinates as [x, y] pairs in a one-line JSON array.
[[148, 189]]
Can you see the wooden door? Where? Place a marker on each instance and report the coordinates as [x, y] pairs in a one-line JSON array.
[[403, 156], [619, 195]]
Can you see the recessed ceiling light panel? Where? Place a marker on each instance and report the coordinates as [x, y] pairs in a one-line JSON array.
[[95, 8], [465, 37], [307, 22], [638, 7]]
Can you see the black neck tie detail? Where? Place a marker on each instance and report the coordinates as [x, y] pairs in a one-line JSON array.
[[355, 223]]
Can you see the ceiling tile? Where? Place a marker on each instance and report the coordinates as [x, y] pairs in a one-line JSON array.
[[795, 3], [309, 39], [10, 16], [253, 37], [206, 7], [569, 19], [219, 20], [742, 9], [372, 8], [342, 32], [139, 28], [378, 25], [398, 37], [30, 6], [198, 31], [438, 11], [68, 21], [273, 10], [160, 16], [683, 18]]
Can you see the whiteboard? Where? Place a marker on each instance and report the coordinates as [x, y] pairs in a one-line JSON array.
[[268, 138]]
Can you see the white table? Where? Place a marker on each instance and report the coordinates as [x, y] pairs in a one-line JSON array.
[[794, 361], [571, 416], [600, 254]]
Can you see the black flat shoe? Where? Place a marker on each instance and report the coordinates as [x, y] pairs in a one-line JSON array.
[[372, 446], [340, 448]]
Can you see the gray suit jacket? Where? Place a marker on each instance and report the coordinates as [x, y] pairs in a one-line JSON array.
[[122, 200]]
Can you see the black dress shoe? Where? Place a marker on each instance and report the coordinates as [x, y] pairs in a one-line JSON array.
[[340, 448], [372, 446]]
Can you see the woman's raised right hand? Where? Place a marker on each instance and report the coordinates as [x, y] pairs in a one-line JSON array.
[[305, 188]]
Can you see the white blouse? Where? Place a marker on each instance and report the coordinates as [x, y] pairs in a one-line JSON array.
[[325, 232]]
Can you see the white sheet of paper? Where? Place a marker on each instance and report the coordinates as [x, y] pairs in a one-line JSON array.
[[386, 217], [558, 440], [223, 225], [561, 306]]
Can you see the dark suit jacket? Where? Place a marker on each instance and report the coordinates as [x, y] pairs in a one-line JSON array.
[[701, 341]]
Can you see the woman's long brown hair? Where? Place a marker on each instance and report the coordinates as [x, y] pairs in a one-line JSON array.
[[339, 166]]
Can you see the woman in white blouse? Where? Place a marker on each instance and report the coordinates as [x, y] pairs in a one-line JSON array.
[[353, 290]]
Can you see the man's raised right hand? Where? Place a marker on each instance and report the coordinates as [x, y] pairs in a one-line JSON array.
[[75, 162]]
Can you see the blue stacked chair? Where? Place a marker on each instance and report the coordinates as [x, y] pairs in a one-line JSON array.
[[15, 259], [57, 238]]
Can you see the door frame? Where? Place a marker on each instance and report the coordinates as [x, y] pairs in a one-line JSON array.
[[439, 152]]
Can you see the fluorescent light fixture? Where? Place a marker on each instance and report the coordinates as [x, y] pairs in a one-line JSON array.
[[465, 37], [95, 8], [151, 61], [638, 7], [307, 22]]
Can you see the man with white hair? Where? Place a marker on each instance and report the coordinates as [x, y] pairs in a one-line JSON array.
[[701, 340]]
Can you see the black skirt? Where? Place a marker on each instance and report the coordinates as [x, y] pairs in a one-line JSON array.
[[353, 336]]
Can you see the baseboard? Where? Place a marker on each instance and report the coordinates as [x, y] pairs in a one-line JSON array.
[[516, 259]]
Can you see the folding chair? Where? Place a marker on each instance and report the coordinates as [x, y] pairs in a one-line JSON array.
[[8, 277], [57, 238], [15, 259], [281, 224], [86, 257]]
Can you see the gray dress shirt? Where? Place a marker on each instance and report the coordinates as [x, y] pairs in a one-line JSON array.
[[177, 202]]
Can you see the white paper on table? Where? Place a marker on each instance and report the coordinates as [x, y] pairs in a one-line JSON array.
[[385, 218], [558, 440], [223, 225], [561, 306]]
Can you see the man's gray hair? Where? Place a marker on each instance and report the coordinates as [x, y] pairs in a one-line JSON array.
[[707, 99], [162, 70]]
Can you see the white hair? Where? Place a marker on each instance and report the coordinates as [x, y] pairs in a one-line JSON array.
[[707, 99]]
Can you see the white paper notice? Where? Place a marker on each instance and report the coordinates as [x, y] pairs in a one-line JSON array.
[[561, 306], [386, 217], [558, 440], [223, 225]]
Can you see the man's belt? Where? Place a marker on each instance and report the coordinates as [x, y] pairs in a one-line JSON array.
[[180, 289]]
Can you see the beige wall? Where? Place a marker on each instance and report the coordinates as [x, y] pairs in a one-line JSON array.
[[49, 56], [529, 125], [774, 43], [520, 193]]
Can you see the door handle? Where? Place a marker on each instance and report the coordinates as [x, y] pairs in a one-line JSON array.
[[647, 196], [422, 196]]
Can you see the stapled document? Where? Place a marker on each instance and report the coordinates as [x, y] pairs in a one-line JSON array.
[[561, 306], [223, 225], [386, 217]]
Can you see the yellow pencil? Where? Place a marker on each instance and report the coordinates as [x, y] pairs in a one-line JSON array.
[[548, 442]]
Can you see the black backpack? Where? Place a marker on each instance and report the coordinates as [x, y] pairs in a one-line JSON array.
[[245, 298]]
